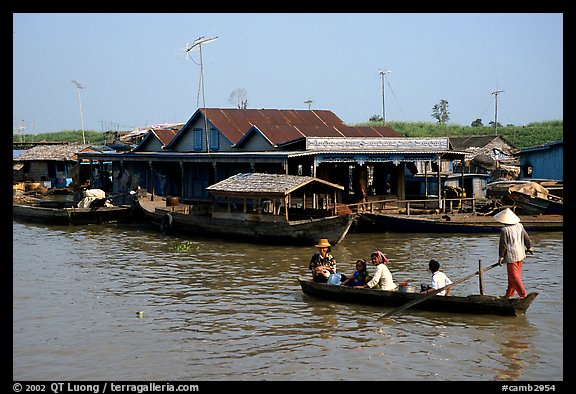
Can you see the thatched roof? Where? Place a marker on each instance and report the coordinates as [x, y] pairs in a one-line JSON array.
[[51, 152], [269, 185]]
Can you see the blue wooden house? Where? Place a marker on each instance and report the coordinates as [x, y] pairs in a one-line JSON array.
[[543, 162]]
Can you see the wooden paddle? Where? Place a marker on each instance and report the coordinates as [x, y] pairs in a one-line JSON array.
[[433, 293]]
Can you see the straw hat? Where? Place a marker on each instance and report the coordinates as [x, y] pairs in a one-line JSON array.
[[507, 217], [323, 243]]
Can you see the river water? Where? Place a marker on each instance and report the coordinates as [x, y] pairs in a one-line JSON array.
[[214, 310]]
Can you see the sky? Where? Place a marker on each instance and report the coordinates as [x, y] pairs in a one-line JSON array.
[[134, 71]]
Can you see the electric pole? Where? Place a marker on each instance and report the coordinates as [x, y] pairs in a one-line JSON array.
[[496, 93], [79, 87], [382, 74]]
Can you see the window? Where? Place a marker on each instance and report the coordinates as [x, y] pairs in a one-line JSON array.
[[214, 141], [198, 139]]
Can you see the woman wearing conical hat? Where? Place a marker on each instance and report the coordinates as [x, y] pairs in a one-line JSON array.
[[514, 241]]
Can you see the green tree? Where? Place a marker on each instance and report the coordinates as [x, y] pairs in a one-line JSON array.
[[376, 118], [440, 112], [477, 123]]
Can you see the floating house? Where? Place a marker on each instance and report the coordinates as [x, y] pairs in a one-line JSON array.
[[216, 143]]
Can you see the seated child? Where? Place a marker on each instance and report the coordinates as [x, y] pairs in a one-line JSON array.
[[439, 280], [360, 277]]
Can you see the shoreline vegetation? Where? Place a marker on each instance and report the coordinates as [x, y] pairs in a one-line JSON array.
[[530, 135]]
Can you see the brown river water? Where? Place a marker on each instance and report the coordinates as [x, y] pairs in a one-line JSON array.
[[221, 311]]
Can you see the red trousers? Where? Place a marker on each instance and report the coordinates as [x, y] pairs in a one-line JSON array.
[[515, 279]]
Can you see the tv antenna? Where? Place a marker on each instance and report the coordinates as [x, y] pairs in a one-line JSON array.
[[309, 102], [496, 93], [198, 43], [79, 87], [382, 75]]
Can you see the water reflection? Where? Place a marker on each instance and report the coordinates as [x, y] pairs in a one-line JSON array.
[[517, 351]]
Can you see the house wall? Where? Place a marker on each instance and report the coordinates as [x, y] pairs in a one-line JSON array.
[[546, 163], [152, 145], [186, 142], [257, 143]]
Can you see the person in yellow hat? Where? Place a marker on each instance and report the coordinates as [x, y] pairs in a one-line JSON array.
[[322, 263], [514, 242]]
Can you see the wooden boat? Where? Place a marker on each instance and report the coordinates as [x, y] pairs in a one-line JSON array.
[[252, 207], [450, 223], [536, 205], [472, 304], [71, 215]]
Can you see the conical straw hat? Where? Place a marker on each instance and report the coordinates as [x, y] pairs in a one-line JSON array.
[[507, 217]]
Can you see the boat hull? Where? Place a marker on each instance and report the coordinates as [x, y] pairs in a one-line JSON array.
[[535, 205], [73, 216], [253, 228], [472, 304], [374, 222]]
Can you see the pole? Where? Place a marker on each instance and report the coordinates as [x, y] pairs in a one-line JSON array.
[[204, 100], [78, 88], [496, 110], [382, 73], [480, 281], [199, 43]]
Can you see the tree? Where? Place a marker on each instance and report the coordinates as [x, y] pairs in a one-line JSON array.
[[376, 118], [440, 112], [477, 123], [239, 97]]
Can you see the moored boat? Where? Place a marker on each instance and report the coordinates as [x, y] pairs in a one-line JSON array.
[[259, 208], [537, 205], [471, 304], [450, 223], [94, 208], [72, 215]]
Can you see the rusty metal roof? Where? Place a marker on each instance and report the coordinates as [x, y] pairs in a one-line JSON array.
[[283, 126], [165, 135], [266, 185]]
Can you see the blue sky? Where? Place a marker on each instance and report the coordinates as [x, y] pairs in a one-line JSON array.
[[134, 72]]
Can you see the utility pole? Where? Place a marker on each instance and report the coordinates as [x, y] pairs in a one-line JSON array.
[[382, 74], [496, 93], [79, 87], [198, 43]]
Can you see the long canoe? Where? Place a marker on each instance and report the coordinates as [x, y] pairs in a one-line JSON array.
[[72, 216], [451, 223], [472, 304]]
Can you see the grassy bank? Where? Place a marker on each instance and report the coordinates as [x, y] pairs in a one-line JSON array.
[[533, 134]]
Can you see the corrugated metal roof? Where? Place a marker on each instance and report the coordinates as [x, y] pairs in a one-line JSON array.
[[165, 135], [264, 184], [283, 126]]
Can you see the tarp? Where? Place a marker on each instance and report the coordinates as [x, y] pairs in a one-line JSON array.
[[531, 188]]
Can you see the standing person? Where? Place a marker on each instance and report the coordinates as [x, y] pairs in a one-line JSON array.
[[514, 241], [322, 262], [382, 278], [439, 280]]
